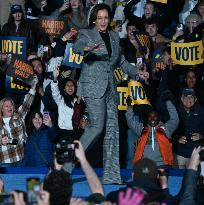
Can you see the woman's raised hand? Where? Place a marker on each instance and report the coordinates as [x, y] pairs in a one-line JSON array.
[[56, 73]]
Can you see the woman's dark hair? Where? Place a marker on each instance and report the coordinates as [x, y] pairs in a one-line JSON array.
[[59, 185], [68, 99], [94, 12], [29, 123], [42, 75]]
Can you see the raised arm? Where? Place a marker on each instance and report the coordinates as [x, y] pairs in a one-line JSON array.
[[128, 11], [133, 121], [92, 179], [54, 87], [172, 123], [28, 100], [189, 184]]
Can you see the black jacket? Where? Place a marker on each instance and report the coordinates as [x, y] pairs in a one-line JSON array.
[[155, 193]]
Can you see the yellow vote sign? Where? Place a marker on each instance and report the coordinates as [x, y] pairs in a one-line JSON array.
[[187, 53], [160, 1], [122, 95], [137, 93], [13, 45]]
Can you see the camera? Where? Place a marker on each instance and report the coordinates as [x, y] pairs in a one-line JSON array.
[[65, 151], [13, 141]]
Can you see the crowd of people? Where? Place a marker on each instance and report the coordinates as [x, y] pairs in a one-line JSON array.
[[62, 103]]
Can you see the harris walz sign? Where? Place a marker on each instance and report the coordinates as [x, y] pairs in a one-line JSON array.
[[53, 26], [21, 70]]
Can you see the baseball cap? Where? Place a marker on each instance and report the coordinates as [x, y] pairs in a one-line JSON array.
[[16, 8], [188, 91]]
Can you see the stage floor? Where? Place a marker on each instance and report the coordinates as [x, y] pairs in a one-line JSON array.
[[15, 178]]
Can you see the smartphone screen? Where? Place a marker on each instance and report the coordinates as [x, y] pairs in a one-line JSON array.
[[6, 199], [46, 115], [33, 188], [139, 61]]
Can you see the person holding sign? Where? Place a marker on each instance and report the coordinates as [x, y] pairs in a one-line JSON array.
[[17, 25], [97, 86], [12, 129]]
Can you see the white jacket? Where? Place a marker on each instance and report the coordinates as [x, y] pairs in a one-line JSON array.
[[65, 113]]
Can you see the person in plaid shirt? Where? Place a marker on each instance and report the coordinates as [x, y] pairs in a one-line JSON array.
[[12, 129]]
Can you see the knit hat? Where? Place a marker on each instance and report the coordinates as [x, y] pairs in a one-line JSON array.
[[16, 8], [145, 168]]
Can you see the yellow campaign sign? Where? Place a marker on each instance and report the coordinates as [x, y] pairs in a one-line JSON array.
[[123, 94], [17, 86], [187, 53], [71, 59], [13, 45], [118, 73], [160, 1], [137, 93]]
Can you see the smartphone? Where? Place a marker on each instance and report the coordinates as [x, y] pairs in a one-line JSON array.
[[119, 24], [40, 51], [33, 189], [139, 61], [74, 31], [6, 199], [46, 115]]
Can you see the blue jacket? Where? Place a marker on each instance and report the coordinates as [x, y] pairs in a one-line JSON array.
[[192, 122], [44, 139]]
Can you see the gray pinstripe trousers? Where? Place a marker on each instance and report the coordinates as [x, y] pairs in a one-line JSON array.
[[103, 115]]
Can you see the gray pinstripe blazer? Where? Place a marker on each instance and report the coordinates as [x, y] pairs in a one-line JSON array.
[[99, 71]]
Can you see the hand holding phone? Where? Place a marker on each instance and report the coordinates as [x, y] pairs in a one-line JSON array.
[[46, 119], [6, 199], [46, 115], [33, 189], [70, 35]]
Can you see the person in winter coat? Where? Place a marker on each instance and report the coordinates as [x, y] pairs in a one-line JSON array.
[[154, 139], [39, 147]]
